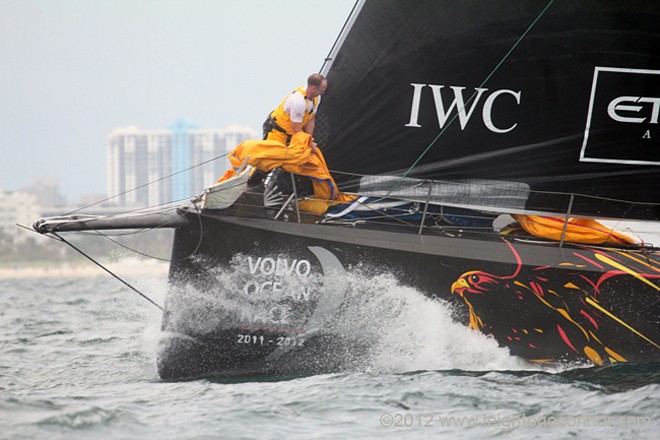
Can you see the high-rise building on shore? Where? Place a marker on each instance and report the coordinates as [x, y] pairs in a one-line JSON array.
[[152, 167], [17, 208]]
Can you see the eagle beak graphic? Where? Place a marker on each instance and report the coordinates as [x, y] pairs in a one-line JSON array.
[[459, 286]]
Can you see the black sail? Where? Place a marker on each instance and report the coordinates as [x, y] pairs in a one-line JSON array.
[[563, 96]]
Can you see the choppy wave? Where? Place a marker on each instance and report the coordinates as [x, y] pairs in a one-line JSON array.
[[77, 360], [393, 328]]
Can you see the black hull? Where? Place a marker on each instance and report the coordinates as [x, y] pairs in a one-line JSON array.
[[221, 357], [257, 297]]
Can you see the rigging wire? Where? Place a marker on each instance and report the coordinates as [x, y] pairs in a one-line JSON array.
[[126, 283], [199, 242], [148, 183], [155, 208], [56, 236], [524, 34]]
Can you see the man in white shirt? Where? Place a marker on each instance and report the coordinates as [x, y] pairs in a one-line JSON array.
[[296, 112]]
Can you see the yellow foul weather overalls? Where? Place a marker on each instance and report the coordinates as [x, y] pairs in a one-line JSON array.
[[278, 124]]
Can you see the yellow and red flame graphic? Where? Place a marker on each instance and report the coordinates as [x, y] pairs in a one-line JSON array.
[[573, 311]]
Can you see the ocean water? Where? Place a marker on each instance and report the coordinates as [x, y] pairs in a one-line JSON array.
[[77, 361]]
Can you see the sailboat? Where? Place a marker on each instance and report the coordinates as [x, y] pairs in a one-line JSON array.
[[453, 124]]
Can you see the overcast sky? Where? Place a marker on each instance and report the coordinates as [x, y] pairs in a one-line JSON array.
[[72, 71]]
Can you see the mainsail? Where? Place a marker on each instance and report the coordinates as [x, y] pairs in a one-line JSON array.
[[562, 96]]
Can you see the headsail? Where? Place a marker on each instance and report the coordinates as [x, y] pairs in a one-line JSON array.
[[562, 95]]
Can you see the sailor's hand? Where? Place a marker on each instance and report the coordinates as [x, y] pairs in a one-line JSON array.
[[314, 146]]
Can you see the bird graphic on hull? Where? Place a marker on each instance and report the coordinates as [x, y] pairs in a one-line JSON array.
[[568, 312]]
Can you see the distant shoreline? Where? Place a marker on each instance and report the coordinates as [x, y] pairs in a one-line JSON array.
[[84, 269]]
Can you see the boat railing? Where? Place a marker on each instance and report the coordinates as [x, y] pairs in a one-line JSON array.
[[446, 207], [485, 198]]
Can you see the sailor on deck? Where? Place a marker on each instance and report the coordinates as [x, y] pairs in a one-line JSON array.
[[288, 144], [296, 113]]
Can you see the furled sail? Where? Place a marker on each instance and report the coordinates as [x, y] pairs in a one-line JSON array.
[[560, 95]]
